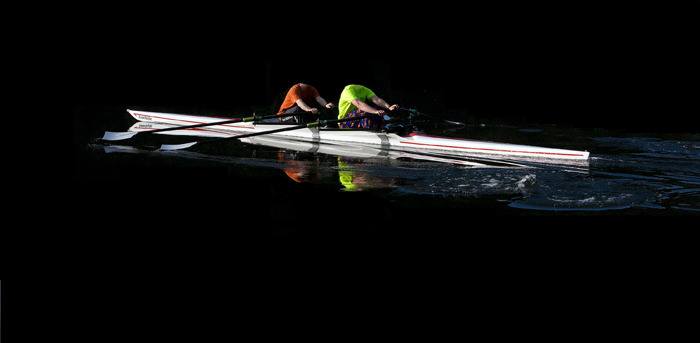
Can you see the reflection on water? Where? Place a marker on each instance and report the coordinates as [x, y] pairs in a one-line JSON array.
[[349, 172], [653, 173], [354, 179], [311, 168]]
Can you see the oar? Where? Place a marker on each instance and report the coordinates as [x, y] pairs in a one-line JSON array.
[[117, 136], [414, 111], [168, 147]]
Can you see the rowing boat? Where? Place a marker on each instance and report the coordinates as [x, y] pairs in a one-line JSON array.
[[341, 150], [413, 142]]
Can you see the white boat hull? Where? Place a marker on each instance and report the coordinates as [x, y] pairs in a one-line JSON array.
[[411, 143]]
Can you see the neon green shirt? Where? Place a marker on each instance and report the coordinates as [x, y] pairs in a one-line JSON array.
[[350, 93]]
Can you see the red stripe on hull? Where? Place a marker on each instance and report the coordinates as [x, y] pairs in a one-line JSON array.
[[500, 150]]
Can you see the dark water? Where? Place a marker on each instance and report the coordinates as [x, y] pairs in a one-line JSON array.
[[625, 174], [629, 176]]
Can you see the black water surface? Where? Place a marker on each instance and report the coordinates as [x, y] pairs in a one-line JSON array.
[[248, 187]]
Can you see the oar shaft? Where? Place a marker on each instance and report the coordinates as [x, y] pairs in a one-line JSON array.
[[236, 120], [230, 121], [116, 136], [296, 127]]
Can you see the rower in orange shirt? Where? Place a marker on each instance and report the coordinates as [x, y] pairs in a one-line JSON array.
[[301, 99]]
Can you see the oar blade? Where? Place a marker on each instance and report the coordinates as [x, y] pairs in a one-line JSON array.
[[117, 136], [171, 147]]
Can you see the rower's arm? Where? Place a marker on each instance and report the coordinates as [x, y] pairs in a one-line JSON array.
[[303, 105], [383, 104], [364, 107], [323, 102]]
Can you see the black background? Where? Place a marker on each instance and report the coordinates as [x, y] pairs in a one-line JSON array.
[[613, 66]]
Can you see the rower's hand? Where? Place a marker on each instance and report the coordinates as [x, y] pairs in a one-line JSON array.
[[314, 110], [380, 112], [330, 105], [393, 107]]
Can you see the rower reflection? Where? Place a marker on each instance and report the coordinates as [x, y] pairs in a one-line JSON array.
[[299, 171], [354, 180], [305, 168]]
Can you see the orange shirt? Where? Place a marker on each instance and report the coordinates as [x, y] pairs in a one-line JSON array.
[[301, 91]]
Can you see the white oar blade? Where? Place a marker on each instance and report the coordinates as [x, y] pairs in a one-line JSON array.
[[170, 147], [118, 136]]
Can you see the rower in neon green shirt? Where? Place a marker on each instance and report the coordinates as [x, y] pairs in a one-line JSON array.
[[355, 101]]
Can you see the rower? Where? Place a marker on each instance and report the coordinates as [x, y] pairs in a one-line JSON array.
[[355, 101], [299, 100]]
